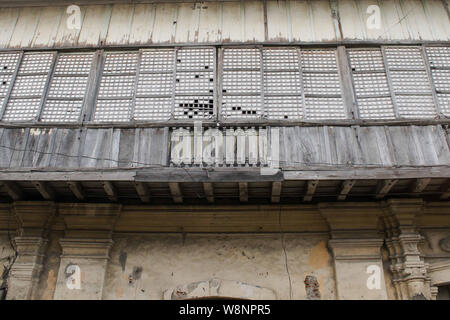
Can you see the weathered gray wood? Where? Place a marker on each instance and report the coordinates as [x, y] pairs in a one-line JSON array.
[[92, 87], [143, 191], [347, 185], [7, 145], [383, 188], [311, 189], [348, 94], [276, 191], [176, 193], [391, 87], [243, 191], [13, 190], [111, 191], [45, 190], [11, 85], [47, 86], [208, 189], [77, 190]]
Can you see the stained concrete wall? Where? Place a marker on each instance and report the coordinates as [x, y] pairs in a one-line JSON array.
[[6, 256], [143, 267], [151, 266]]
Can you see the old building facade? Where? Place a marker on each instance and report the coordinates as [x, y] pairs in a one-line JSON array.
[[231, 149]]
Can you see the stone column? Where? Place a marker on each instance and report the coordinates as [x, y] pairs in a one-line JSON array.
[[355, 242], [33, 219], [402, 239], [85, 250]]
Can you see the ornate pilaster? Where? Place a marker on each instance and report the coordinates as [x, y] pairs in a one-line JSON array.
[[355, 243], [85, 249], [33, 220], [402, 240]]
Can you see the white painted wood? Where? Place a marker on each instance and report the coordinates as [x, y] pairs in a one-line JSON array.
[[229, 146], [240, 146], [120, 24], [252, 146]]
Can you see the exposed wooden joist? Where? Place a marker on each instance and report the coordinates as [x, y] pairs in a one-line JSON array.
[[172, 174], [243, 191], [77, 190], [276, 191], [176, 193], [143, 191], [45, 190], [347, 185], [445, 189], [209, 191], [110, 191], [311, 189], [419, 185], [383, 188], [13, 190]]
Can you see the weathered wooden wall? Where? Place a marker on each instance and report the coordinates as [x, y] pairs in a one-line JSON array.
[[224, 22], [300, 147]]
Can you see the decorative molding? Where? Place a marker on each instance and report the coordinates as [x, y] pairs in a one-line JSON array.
[[445, 244]]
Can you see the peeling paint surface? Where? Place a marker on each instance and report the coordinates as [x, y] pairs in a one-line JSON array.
[[256, 260]]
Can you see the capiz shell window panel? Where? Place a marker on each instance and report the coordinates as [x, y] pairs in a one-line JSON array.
[[68, 88], [370, 80], [439, 60], [117, 86], [28, 90], [412, 92]]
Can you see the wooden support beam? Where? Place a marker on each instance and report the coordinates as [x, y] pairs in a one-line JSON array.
[[311, 189], [209, 191], [419, 185], [77, 190], [175, 190], [45, 190], [143, 191], [13, 190], [445, 189], [111, 191], [347, 185], [276, 191], [384, 187], [243, 191]]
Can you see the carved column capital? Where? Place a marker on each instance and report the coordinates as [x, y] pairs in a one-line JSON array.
[[85, 248], [402, 240], [33, 221]]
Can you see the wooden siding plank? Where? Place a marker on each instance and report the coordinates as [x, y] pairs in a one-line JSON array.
[[142, 24], [8, 20], [47, 28], [66, 37], [323, 21], [209, 28], [25, 28], [231, 22], [166, 15], [301, 20], [120, 24], [188, 22], [253, 21], [95, 25], [277, 21]]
